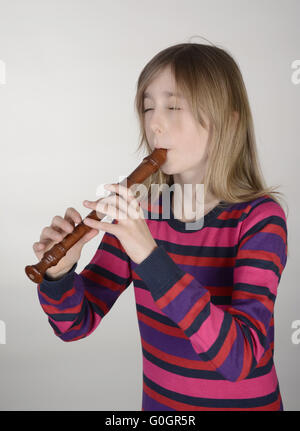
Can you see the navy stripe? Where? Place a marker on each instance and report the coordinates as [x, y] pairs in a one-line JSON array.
[[255, 289], [217, 345], [197, 322], [156, 316], [105, 273]]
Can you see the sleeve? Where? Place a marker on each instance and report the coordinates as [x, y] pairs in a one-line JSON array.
[[76, 303], [234, 340]]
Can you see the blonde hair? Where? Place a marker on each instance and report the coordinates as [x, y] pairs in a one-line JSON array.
[[211, 81]]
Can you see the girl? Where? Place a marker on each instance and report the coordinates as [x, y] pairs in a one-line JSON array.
[[205, 297]]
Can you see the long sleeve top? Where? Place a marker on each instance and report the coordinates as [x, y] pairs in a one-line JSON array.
[[205, 305]]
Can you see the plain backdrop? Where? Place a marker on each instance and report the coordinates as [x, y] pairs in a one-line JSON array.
[[68, 124]]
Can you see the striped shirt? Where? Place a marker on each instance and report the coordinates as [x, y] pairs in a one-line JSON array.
[[205, 305]]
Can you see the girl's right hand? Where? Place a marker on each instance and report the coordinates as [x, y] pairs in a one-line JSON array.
[[55, 233]]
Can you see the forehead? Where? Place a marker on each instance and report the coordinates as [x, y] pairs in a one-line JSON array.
[[147, 94], [165, 82]]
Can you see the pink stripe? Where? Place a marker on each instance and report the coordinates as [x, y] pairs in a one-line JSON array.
[[259, 213], [259, 276], [203, 339], [210, 233], [65, 325], [62, 326], [218, 389], [143, 297], [112, 263]]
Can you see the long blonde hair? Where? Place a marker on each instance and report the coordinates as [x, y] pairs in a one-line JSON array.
[[211, 81]]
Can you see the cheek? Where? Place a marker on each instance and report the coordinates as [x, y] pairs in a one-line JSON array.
[[192, 141]]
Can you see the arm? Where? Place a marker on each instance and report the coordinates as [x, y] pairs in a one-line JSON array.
[[76, 303], [234, 340]]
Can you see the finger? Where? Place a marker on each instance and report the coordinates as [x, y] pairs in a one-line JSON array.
[[63, 224], [135, 212], [49, 233], [107, 227], [112, 207], [121, 190], [113, 210], [72, 214], [126, 198], [115, 206], [38, 246], [112, 199], [93, 205]]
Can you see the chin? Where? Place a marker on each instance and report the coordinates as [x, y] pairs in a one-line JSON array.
[[166, 170]]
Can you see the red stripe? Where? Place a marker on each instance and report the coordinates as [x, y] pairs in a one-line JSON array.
[[175, 290], [101, 280], [194, 311], [219, 290], [50, 309], [203, 260], [255, 322], [79, 326], [176, 360], [101, 304], [247, 361], [267, 302], [59, 301], [161, 327], [237, 214], [226, 347]]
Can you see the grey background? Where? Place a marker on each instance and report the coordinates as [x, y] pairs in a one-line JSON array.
[[68, 125]]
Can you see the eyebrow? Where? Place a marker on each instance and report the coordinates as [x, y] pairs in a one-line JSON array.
[[166, 93]]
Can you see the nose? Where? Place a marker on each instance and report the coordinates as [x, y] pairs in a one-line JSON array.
[[157, 133], [156, 124], [157, 129]]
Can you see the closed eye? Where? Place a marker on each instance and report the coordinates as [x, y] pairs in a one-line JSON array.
[[151, 109]]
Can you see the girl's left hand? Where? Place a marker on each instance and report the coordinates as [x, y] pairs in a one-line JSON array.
[[131, 228]]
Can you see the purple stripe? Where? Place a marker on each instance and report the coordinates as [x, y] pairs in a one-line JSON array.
[[270, 242], [210, 275], [180, 305], [254, 308], [151, 404], [233, 364], [101, 292], [167, 343], [70, 335], [270, 334]]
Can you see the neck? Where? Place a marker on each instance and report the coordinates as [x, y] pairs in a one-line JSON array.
[[185, 199]]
